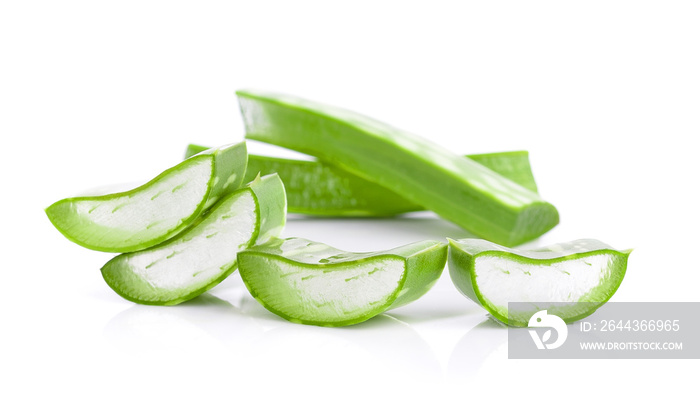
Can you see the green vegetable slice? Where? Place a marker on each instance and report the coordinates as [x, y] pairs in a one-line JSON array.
[[150, 214], [584, 274], [320, 189], [312, 283], [456, 188], [202, 256]]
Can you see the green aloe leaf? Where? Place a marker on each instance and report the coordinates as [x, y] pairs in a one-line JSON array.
[[204, 255], [312, 283], [456, 188], [147, 215], [320, 189], [570, 280]]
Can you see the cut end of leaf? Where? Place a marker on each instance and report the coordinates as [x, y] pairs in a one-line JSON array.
[[312, 283], [135, 219], [156, 211], [583, 273]]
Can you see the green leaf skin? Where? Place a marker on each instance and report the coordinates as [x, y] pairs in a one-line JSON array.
[[311, 283], [201, 257], [320, 189], [456, 188], [156, 211], [582, 273]]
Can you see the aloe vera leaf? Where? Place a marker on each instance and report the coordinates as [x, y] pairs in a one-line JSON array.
[[320, 189], [583, 274], [456, 188], [312, 283], [150, 214], [204, 255]]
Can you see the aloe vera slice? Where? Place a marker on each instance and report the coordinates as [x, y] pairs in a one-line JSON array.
[[147, 215], [320, 189], [456, 188], [312, 283], [570, 280], [204, 255]]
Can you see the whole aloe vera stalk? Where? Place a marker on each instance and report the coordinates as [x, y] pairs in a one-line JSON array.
[[161, 208], [204, 255], [320, 189], [570, 280], [312, 283], [456, 188]]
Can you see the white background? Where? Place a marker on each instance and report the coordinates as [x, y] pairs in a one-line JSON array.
[[604, 94]]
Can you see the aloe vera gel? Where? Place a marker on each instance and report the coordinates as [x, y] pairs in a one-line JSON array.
[[201, 257], [158, 210], [582, 273], [312, 283]]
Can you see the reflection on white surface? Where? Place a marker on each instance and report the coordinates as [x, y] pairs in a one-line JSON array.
[[245, 329], [477, 345], [196, 323], [383, 345]]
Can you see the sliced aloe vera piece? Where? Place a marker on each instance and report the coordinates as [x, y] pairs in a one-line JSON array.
[[312, 283], [320, 189], [202, 256], [570, 280], [147, 215], [456, 188]]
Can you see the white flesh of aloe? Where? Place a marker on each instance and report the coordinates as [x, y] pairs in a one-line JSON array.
[[312, 283], [202, 256], [147, 215], [570, 280]]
